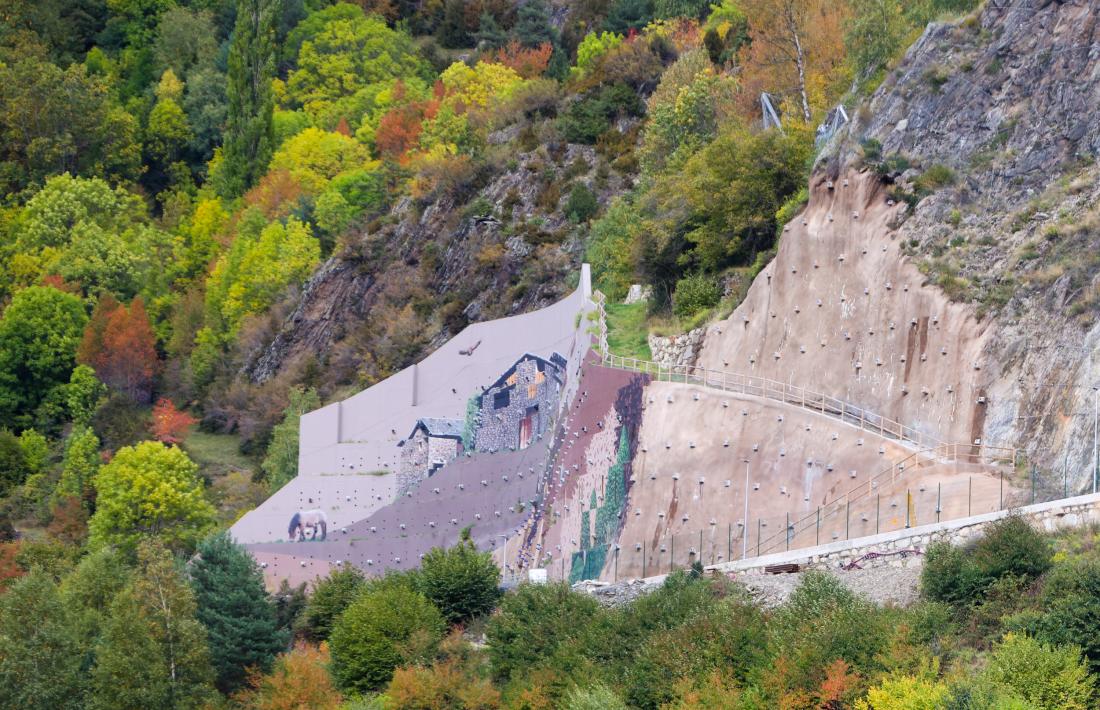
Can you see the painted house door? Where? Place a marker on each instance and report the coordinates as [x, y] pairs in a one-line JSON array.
[[527, 428]]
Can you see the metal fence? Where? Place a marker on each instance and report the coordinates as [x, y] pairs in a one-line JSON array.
[[976, 479], [881, 508]]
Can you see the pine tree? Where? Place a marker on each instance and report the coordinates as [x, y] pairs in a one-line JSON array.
[[489, 35], [250, 131], [236, 610], [533, 26]]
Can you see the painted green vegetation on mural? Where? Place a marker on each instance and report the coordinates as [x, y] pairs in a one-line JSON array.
[[596, 537]]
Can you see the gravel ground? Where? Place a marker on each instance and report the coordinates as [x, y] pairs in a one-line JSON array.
[[898, 586], [884, 585]]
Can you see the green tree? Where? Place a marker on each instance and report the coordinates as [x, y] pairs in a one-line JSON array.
[[257, 270], [1048, 677], [54, 120], [39, 333], [12, 461], [533, 26], [149, 490], [280, 465], [626, 15], [79, 465], [667, 9], [41, 657], [153, 651], [533, 622], [347, 64], [733, 188], [1070, 608], [83, 395], [489, 35], [875, 33], [249, 131], [611, 247], [582, 204], [462, 582], [1010, 547], [331, 596], [88, 591], [36, 450], [236, 611], [694, 294], [381, 630], [186, 41]]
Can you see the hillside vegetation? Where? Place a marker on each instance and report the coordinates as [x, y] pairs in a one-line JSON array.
[[219, 214]]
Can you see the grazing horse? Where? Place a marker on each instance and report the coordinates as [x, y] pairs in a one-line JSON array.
[[304, 525]]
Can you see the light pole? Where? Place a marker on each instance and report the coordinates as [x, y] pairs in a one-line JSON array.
[[745, 526]]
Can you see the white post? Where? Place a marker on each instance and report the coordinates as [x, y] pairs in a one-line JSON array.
[[745, 527]]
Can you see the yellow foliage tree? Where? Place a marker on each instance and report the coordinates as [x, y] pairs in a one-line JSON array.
[[796, 51]]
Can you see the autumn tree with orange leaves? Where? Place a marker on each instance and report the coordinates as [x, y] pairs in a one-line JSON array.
[[796, 51], [528, 62], [300, 679], [170, 425], [119, 344]]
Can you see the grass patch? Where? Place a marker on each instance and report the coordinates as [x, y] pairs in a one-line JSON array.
[[217, 454], [627, 330]]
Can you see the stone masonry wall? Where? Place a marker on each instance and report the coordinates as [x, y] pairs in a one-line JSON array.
[[896, 549], [676, 349]]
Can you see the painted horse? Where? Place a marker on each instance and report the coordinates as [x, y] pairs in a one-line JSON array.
[[307, 524]]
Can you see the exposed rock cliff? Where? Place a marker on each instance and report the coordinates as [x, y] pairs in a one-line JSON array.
[[410, 280], [986, 135]]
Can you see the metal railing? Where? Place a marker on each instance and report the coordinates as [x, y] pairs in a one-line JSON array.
[[907, 504], [786, 393]]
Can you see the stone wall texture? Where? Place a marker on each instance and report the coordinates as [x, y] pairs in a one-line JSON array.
[[902, 548], [676, 349]]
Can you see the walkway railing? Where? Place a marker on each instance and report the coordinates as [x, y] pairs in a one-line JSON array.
[[786, 393]]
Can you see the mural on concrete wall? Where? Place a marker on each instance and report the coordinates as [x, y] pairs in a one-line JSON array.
[[518, 407], [359, 455], [308, 525]]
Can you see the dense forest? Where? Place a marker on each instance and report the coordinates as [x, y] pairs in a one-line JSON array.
[[174, 174]]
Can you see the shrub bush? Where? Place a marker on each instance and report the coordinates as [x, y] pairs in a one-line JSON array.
[[824, 621], [533, 622], [724, 639], [331, 596], [1048, 677], [581, 205], [461, 582], [1009, 547], [694, 294], [381, 630]]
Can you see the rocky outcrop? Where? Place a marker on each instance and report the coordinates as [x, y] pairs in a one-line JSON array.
[[412, 278], [673, 350], [985, 136]]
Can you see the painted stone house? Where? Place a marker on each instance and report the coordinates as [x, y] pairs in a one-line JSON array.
[[516, 409], [432, 444]]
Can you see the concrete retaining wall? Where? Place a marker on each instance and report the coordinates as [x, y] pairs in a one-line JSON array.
[[1049, 517]]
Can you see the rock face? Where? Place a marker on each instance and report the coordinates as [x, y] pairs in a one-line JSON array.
[[677, 349], [408, 281], [975, 179]]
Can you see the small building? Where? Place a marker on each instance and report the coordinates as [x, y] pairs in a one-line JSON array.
[[432, 444], [517, 409]]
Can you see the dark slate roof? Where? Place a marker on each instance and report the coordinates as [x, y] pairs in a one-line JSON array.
[[452, 428], [542, 363]]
